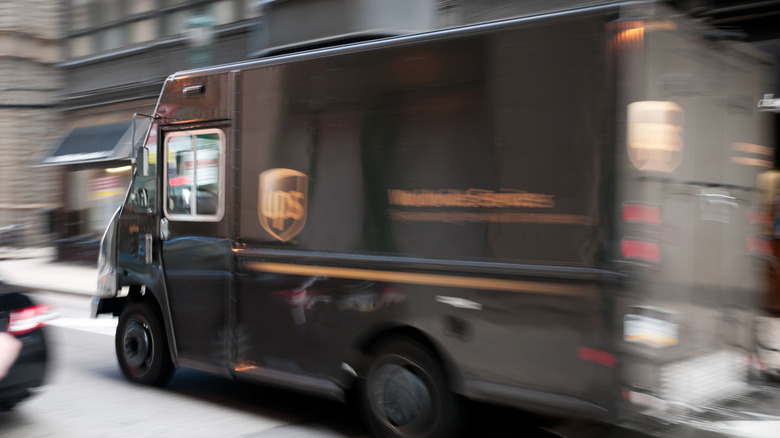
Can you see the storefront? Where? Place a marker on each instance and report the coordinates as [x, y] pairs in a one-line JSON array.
[[97, 162]]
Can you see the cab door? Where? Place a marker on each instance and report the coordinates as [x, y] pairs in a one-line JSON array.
[[137, 224], [196, 252]]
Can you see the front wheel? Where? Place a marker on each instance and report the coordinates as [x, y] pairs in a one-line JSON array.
[[141, 345], [405, 393]]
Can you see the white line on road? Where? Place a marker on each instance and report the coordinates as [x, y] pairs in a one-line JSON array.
[[103, 326]]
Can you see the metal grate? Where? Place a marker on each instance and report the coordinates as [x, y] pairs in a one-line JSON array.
[[703, 380]]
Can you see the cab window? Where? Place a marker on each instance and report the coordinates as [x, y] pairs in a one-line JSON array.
[[194, 175]]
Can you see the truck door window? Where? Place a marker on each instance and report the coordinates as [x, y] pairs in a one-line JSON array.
[[194, 175]]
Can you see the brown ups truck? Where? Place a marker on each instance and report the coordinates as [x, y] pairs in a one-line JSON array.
[[554, 212]]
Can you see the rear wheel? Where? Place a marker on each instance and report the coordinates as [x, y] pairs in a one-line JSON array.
[[141, 345], [405, 393]]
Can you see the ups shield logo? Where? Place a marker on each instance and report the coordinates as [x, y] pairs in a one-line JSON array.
[[281, 204], [654, 134]]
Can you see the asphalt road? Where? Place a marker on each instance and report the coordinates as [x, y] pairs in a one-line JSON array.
[[86, 396]]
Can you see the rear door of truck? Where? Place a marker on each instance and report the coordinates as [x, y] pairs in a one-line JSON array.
[[691, 144]]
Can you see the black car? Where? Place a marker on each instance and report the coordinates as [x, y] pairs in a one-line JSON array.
[[24, 319]]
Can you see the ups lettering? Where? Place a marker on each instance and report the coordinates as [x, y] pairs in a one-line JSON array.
[[279, 206]]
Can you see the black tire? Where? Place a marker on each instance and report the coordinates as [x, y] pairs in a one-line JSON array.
[[141, 345], [405, 393], [9, 403]]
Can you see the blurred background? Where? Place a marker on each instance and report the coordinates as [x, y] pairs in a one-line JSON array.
[[75, 71]]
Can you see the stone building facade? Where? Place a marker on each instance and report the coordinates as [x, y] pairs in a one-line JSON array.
[[30, 36]]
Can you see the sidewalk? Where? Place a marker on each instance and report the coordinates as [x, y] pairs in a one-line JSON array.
[[37, 269]]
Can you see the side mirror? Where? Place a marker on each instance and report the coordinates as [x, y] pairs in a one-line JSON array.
[[142, 162]]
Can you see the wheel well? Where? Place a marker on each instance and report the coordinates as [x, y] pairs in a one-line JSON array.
[[139, 294], [370, 343], [135, 294]]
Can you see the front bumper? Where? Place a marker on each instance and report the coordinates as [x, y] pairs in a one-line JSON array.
[[99, 306]]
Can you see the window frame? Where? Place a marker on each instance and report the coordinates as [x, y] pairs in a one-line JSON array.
[[193, 134]]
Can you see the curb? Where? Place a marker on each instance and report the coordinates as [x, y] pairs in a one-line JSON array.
[[38, 270]]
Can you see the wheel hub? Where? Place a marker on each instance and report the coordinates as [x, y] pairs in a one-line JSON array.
[[137, 344], [404, 396]]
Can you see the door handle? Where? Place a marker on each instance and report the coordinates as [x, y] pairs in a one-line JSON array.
[[148, 248], [165, 232]]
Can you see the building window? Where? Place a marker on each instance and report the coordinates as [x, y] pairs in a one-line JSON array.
[[251, 9], [81, 16], [105, 25], [111, 38], [81, 46], [223, 12], [175, 22], [110, 10], [145, 30], [140, 6]]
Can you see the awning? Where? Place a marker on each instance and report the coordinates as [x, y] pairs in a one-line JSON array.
[[90, 144]]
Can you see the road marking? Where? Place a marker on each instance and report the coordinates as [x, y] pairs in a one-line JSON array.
[[103, 326]]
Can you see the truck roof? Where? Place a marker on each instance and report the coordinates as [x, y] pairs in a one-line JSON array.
[[597, 7]]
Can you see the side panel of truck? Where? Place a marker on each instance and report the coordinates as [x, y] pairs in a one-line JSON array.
[[455, 186]]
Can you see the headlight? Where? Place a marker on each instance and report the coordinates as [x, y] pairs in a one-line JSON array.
[[108, 280]]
